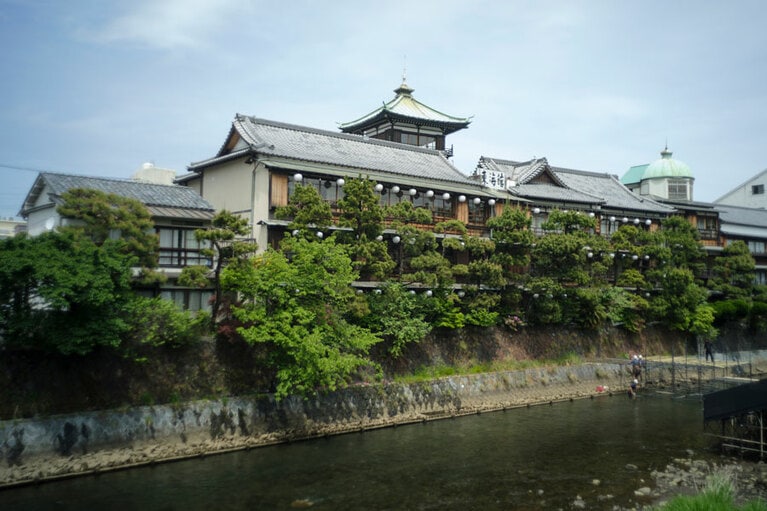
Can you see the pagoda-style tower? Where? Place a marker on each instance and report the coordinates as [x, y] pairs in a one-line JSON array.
[[408, 121]]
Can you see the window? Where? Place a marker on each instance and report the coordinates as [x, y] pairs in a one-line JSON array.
[[706, 223], [418, 140], [442, 208], [188, 299], [328, 188], [756, 247], [757, 189], [677, 189], [477, 213], [179, 247], [331, 191], [389, 198]]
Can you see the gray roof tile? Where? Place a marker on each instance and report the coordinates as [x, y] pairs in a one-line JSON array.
[[609, 187], [546, 191], [572, 185], [742, 216], [168, 196], [276, 139]]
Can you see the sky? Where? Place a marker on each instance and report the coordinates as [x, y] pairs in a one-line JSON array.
[[99, 87]]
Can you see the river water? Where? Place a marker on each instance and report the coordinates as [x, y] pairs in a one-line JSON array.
[[522, 459]]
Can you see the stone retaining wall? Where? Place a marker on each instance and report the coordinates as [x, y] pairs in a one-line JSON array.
[[60, 446], [350, 408]]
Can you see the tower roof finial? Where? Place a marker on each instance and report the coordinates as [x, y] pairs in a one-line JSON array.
[[404, 89]]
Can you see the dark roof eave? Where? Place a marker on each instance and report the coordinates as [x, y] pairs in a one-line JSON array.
[[447, 126], [202, 165], [354, 170]]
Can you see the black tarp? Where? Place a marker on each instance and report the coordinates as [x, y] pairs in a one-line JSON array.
[[735, 401]]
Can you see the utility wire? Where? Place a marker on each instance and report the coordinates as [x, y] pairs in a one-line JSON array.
[[17, 167]]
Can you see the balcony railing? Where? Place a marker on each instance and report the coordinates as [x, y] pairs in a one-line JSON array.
[[180, 257]]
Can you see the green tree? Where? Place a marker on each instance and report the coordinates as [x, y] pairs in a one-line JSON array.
[[543, 304], [61, 292], [562, 257], [568, 222], [678, 300], [396, 316], [419, 259], [480, 307], [733, 272], [223, 246], [297, 306], [157, 322], [682, 243], [513, 241], [361, 212], [103, 216], [308, 211]]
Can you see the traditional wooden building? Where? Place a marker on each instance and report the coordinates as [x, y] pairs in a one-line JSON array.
[[177, 211], [402, 147], [546, 187], [737, 215], [750, 226], [399, 146]]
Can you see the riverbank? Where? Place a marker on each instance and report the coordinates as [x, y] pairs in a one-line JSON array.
[[71, 445], [234, 427]]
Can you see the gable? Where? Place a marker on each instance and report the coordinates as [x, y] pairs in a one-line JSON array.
[[544, 178]]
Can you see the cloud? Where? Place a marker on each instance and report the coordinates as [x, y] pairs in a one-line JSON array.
[[170, 24]]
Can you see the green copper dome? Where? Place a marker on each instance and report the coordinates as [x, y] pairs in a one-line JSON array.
[[667, 167]]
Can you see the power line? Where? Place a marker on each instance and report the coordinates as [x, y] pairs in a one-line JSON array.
[[17, 167]]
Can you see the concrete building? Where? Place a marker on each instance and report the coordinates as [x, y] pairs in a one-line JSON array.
[[750, 194]]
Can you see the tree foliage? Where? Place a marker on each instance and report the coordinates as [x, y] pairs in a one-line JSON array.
[[513, 241], [362, 214], [568, 222], [308, 211], [103, 216], [223, 245], [733, 272], [396, 316], [60, 292], [297, 307], [72, 291]]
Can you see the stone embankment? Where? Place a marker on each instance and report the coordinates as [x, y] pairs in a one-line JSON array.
[[36, 450], [67, 445]]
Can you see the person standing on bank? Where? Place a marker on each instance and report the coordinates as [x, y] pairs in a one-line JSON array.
[[709, 350]]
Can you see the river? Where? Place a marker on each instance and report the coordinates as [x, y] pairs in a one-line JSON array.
[[523, 459]]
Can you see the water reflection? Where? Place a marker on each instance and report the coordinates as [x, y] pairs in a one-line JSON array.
[[536, 458]]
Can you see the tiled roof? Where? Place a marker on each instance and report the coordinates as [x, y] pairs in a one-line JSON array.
[[742, 216], [607, 186], [550, 192], [167, 196], [276, 139], [571, 185], [520, 172]]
